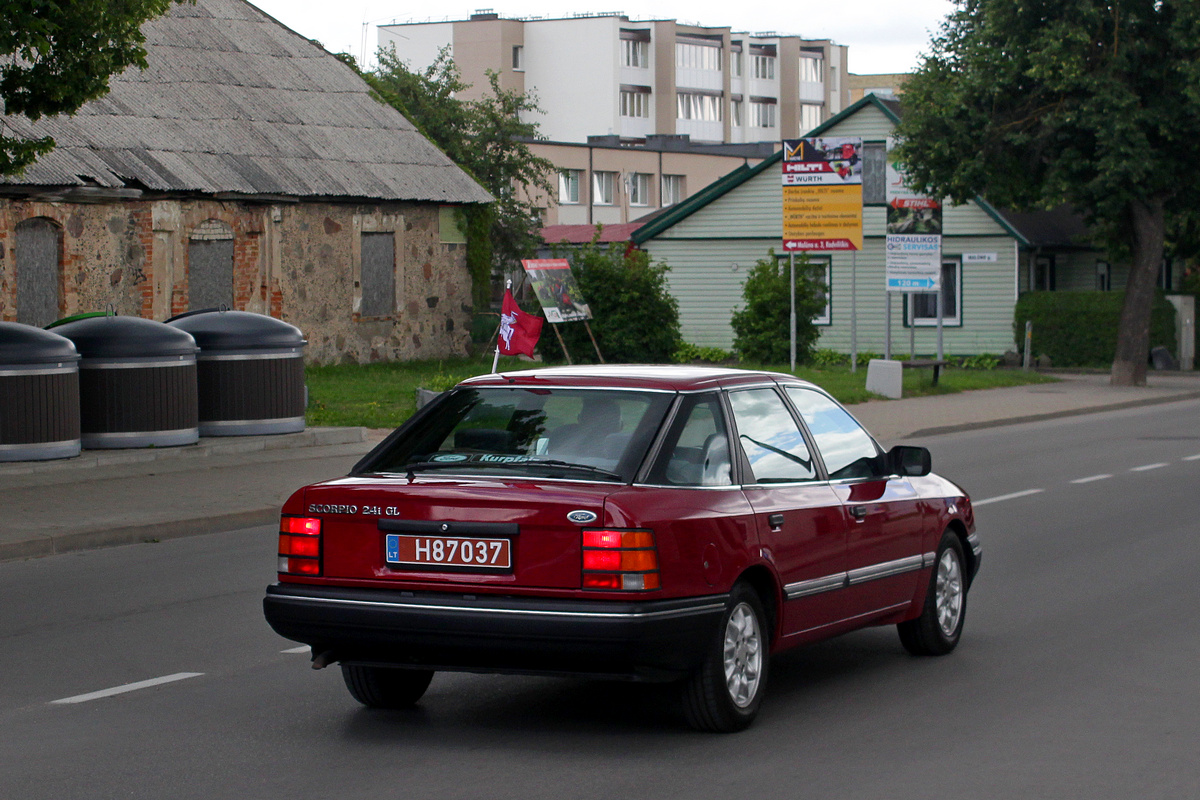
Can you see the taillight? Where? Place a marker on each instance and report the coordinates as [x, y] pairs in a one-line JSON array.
[[300, 545], [619, 560]]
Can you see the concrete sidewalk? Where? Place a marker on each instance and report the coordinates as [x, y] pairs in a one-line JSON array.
[[1075, 393], [113, 497]]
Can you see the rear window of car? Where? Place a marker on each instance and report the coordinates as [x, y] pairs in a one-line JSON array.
[[588, 434]]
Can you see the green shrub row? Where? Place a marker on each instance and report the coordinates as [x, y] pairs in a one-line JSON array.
[[1079, 329]]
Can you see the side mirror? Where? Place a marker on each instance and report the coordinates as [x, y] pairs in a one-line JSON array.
[[910, 461]]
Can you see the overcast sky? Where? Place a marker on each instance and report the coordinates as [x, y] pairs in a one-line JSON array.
[[883, 35]]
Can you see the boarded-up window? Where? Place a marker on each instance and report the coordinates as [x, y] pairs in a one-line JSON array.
[[874, 173], [378, 274], [38, 257], [210, 266]]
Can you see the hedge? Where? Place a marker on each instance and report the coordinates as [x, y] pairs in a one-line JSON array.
[[1079, 329]]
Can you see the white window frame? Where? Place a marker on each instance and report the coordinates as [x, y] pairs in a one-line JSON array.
[[672, 190], [638, 189], [635, 104], [635, 54], [955, 321], [826, 315], [763, 115], [763, 67], [736, 115], [697, 106], [810, 69], [809, 112], [518, 58], [698, 56], [735, 63], [604, 188], [568, 187]]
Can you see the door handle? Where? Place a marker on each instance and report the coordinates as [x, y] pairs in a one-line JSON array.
[[858, 512], [775, 521]]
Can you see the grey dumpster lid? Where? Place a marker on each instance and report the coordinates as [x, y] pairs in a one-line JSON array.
[[126, 337], [25, 344], [216, 330]]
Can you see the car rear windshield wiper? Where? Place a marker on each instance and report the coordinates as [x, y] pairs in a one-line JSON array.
[[551, 462], [425, 466]]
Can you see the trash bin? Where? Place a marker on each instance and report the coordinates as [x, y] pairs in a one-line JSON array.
[[39, 394], [137, 382], [250, 372]]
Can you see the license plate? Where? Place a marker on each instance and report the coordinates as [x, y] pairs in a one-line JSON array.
[[448, 551]]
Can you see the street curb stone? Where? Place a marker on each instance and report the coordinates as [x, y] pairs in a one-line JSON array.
[[1070, 412]]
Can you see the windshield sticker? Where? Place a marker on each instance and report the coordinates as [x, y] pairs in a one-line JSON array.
[[450, 457]]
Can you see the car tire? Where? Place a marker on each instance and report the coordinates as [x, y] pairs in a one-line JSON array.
[[937, 631], [386, 687], [724, 693]]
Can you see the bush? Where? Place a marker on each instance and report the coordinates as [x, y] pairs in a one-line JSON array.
[[761, 328], [634, 318], [1079, 329], [825, 358], [981, 361], [690, 354]]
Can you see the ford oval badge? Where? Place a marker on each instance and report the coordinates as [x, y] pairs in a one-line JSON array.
[[581, 517]]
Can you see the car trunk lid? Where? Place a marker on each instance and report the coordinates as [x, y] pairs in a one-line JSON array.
[[438, 530]]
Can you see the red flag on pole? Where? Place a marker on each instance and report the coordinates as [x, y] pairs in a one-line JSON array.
[[519, 331]]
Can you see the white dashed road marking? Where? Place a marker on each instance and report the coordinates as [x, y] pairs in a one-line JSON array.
[[129, 687], [302, 649], [1192, 458], [1003, 497], [1147, 467], [1091, 478]]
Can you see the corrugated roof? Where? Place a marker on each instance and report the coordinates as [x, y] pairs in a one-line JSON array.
[[232, 101]]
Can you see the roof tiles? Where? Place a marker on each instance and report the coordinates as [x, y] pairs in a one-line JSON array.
[[232, 101]]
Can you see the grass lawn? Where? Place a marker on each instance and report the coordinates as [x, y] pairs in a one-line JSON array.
[[383, 395]]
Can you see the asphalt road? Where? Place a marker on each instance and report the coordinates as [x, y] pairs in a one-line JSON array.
[[1076, 677]]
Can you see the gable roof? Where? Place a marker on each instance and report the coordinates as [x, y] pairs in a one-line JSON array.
[[233, 101], [744, 173], [1028, 228]]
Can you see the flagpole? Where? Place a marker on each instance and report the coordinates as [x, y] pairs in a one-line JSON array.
[[496, 358]]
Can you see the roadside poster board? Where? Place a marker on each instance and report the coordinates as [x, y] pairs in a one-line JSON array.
[[822, 194], [913, 260], [556, 289]]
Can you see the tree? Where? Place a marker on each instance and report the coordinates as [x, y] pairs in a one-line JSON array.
[[762, 329], [486, 137], [1093, 103], [635, 319], [54, 57]]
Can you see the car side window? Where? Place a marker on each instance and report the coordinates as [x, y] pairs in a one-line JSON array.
[[848, 450], [770, 437], [697, 449]]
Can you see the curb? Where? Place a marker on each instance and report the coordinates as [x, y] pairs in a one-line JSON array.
[[146, 533], [1070, 412], [208, 446]]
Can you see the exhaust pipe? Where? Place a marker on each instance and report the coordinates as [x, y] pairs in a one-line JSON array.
[[323, 659]]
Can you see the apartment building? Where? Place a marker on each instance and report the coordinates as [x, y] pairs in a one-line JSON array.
[[606, 182], [608, 75]]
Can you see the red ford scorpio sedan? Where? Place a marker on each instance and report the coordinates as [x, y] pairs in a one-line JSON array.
[[652, 523]]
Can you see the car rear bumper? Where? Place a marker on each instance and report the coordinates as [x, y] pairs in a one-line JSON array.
[[652, 640]]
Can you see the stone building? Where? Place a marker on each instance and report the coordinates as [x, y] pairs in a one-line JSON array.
[[250, 168]]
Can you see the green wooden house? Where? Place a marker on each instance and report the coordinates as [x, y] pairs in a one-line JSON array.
[[712, 239]]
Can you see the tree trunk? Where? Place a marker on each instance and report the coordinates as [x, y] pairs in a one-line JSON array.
[[1133, 332]]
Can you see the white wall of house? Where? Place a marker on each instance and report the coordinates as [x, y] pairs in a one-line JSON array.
[[417, 44], [711, 251], [574, 64]]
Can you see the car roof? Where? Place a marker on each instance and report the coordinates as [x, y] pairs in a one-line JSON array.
[[633, 376]]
